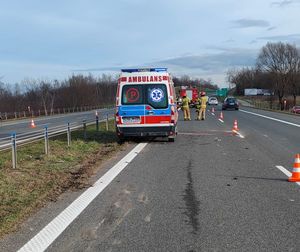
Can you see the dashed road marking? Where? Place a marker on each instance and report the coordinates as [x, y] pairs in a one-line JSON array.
[[238, 134], [221, 120], [286, 172]]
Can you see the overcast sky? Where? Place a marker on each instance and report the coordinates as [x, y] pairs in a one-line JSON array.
[[201, 38]]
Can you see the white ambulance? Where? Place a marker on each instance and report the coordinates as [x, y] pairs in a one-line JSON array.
[[146, 104]]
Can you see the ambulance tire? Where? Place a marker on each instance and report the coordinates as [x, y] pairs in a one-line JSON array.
[[121, 140], [171, 139]]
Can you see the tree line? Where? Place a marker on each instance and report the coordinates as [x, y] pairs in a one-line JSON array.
[[48, 95], [77, 91], [277, 68], [201, 83]]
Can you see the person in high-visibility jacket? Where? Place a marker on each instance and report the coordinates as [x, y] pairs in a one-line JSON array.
[[186, 108], [203, 102]]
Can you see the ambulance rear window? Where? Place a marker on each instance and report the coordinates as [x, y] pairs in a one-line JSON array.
[[155, 95], [132, 94]]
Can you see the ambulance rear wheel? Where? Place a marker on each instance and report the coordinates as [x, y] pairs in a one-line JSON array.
[[121, 139], [171, 139]]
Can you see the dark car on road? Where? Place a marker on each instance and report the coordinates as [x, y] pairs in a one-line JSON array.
[[230, 103]]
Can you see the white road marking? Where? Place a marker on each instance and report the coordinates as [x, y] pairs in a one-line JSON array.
[[286, 172], [221, 120], [271, 118], [213, 114], [238, 133], [48, 234]]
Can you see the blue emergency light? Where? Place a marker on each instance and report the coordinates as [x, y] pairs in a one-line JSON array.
[[133, 70]]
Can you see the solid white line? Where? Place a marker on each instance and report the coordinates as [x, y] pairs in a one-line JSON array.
[[286, 172], [271, 118], [48, 234], [221, 120]]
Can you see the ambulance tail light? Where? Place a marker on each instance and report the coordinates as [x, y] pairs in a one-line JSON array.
[[117, 116], [172, 114]]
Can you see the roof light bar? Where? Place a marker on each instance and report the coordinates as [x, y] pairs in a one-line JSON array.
[[132, 70]]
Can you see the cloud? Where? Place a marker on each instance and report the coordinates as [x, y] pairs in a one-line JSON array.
[[246, 23], [212, 62], [271, 28], [283, 3], [229, 41], [213, 66], [288, 38]]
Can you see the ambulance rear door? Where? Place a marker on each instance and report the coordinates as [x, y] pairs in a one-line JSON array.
[[132, 108], [157, 108]]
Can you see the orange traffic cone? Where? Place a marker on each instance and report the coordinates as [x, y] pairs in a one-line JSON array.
[[296, 170], [221, 116], [213, 110], [32, 125], [235, 126]]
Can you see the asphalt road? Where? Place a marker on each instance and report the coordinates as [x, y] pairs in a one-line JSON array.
[[23, 126], [211, 190]]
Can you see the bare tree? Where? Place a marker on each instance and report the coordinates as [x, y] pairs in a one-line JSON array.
[[278, 59], [295, 74]]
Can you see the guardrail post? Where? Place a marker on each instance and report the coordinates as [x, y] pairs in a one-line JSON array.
[[24, 114], [84, 129], [69, 134], [106, 122], [46, 141], [14, 150], [5, 115], [15, 115], [97, 121]]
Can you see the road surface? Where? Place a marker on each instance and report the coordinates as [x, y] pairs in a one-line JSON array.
[[211, 190]]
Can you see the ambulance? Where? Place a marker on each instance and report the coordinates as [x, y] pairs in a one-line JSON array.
[[146, 104]]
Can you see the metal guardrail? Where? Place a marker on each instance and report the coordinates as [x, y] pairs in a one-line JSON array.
[[5, 116], [17, 140]]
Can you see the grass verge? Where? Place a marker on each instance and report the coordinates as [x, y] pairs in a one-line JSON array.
[[40, 178]]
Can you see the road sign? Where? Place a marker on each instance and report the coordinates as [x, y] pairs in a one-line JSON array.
[[222, 92]]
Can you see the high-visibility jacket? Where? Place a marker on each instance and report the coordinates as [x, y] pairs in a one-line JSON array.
[[185, 102], [203, 101], [198, 103]]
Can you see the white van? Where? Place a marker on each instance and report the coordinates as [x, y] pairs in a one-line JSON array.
[[146, 104]]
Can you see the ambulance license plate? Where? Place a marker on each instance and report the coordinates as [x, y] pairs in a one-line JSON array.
[[131, 119]]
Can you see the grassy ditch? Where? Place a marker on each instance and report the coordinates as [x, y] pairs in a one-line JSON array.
[[264, 102], [40, 178]]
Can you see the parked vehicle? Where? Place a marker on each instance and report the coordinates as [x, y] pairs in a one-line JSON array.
[[212, 101], [146, 104], [230, 103], [296, 110]]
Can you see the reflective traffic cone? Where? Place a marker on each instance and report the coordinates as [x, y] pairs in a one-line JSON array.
[[296, 170], [221, 116], [32, 125], [213, 110], [235, 126]]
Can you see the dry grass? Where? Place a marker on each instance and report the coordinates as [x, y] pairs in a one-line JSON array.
[[263, 102], [40, 178]]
